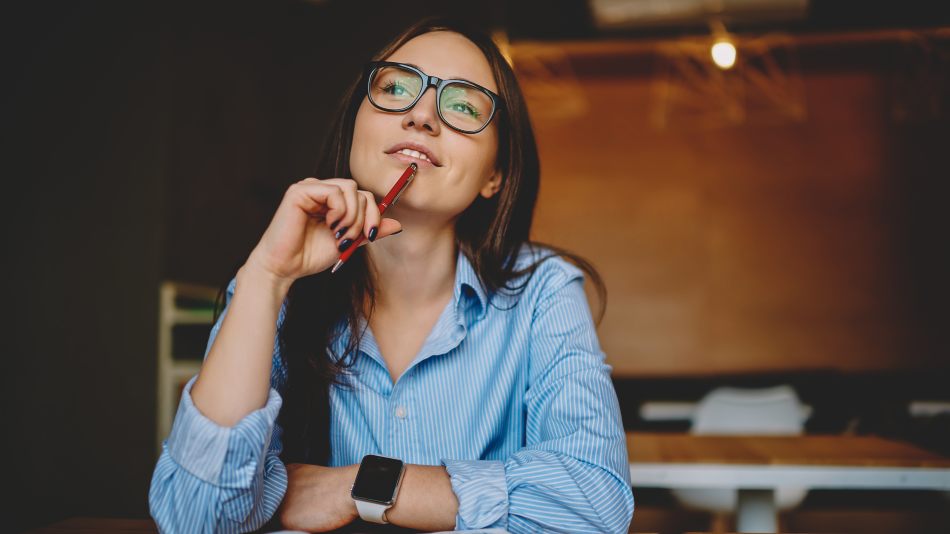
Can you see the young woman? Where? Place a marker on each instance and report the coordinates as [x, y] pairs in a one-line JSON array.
[[454, 368]]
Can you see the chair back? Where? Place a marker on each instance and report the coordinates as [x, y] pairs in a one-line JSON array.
[[733, 411]]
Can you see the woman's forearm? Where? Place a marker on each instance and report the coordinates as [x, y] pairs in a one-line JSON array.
[[426, 500], [235, 377]]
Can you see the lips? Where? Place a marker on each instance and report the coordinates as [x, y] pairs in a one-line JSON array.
[[415, 152]]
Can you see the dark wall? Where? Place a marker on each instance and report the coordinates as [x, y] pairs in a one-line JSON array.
[[84, 197]]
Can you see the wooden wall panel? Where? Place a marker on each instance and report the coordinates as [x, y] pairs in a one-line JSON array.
[[766, 245]]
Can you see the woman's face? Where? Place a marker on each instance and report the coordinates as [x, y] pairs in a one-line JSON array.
[[463, 165]]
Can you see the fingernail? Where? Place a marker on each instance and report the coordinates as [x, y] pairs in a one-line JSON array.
[[345, 244], [340, 232], [333, 226], [372, 233]]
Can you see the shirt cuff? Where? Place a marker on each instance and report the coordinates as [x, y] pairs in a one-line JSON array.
[[200, 446], [482, 493]]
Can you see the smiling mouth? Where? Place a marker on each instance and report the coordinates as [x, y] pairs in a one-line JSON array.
[[413, 153], [408, 155]]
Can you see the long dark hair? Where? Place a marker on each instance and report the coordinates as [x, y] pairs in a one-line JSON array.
[[490, 232]]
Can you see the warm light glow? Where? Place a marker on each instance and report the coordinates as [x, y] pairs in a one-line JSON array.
[[723, 54], [504, 46]]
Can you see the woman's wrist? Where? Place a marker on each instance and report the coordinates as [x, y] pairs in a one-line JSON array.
[[251, 275], [348, 476]]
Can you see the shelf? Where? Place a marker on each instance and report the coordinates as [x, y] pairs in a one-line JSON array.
[[179, 304], [180, 316], [185, 370]]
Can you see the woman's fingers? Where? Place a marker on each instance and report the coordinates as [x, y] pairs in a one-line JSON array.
[[355, 228], [348, 211], [319, 198], [387, 227], [372, 216], [299, 240], [341, 225]]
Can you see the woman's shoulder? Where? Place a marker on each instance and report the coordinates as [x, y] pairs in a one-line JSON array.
[[548, 270]]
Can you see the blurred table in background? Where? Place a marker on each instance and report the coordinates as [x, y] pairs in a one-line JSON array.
[[757, 465]]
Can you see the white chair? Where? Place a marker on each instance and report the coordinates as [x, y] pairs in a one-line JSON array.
[[734, 411]]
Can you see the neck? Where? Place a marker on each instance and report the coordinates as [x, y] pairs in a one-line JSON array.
[[415, 268]]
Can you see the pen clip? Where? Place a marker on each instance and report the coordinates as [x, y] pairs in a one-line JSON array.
[[405, 185]]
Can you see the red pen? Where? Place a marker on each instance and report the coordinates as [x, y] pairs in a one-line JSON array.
[[401, 184]]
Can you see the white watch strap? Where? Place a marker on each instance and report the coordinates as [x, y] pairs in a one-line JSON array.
[[371, 511]]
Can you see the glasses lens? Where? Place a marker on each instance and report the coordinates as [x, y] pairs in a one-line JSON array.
[[465, 106], [394, 88]]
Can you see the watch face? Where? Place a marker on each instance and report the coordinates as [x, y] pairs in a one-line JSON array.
[[377, 479]]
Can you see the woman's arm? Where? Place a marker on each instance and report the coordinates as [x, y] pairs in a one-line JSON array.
[[218, 471], [214, 478], [298, 242], [573, 473], [218, 479], [318, 498], [426, 500], [234, 378]]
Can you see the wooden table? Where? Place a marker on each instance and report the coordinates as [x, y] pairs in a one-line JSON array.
[[757, 465]]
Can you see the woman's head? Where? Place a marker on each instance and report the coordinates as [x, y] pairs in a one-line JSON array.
[[485, 183], [457, 166]]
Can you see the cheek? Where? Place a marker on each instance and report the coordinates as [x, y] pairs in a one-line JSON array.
[[487, 160], [363, 129], [477, 161], [487, 150]]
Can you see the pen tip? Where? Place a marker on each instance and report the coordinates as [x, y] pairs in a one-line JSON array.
[[414, 166], [339, 264]]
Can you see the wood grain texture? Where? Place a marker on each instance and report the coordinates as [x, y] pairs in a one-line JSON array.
[[766, 245], [840, 451]]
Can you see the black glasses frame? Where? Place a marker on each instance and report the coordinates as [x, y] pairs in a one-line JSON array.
[[428, 81]]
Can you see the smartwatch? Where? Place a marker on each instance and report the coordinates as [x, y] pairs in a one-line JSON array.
[[377, 484]]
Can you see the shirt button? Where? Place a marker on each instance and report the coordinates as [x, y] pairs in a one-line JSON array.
[[401, 412]]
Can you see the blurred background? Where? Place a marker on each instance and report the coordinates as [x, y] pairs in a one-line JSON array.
[[773, 213]]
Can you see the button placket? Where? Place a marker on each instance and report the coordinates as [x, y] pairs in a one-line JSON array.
[[399, 409], [400, 416]]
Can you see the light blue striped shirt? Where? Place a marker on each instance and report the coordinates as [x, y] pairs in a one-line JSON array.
[[514, 400]]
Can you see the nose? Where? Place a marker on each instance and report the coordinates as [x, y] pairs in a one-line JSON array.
[[423, 115]]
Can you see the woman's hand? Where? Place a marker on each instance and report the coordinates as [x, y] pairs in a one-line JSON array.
[[318, 498], [313, 220]]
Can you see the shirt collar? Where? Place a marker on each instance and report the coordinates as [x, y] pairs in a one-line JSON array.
[[469, 293], [471, 299]]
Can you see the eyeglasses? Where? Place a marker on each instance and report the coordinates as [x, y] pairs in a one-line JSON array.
[[462, 105]]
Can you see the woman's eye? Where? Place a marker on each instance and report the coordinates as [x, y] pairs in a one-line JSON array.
[[395, 89], [464, 107]]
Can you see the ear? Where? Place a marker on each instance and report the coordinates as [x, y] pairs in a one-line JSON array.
[[492, 186]]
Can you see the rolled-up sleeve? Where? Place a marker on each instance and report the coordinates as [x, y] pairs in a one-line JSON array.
[[573, 474], [211, 478]]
